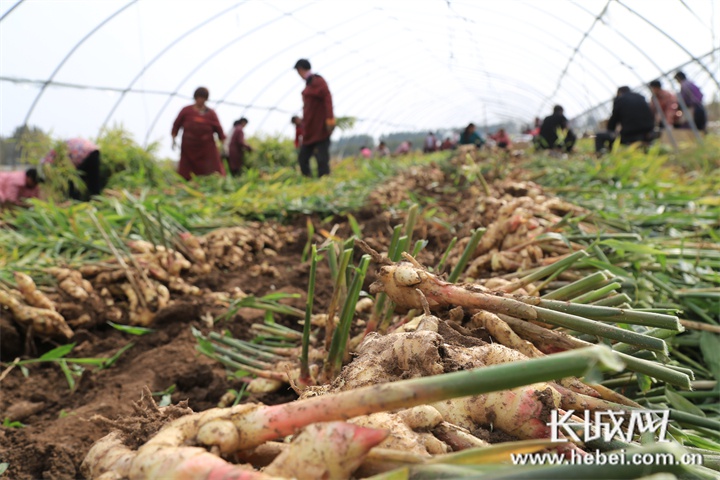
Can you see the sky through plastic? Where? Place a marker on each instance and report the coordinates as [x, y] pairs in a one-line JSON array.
[[74, 66]]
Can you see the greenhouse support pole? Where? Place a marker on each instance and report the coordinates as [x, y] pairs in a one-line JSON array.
[[11, 9]]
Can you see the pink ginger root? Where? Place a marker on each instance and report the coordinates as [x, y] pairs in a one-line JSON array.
[[326, 450]]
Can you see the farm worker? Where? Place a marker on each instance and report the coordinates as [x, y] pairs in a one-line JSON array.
[[535, 131], [297, 121], [382, 150], [365, 152], [17, 186], [403, 148], [502, 139], [469, 136], [548, 139], [237, 147], [225, 154], [667, 102], [318, 120], [692, 96], [632, 113], [447, 144], [85, 155], [199, 154], [430, 143]]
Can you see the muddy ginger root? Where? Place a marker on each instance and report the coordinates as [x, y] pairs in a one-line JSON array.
[[522, 412], [504, 334], [409, 429], [384, 359], [43, 321], [178, 451], [413, 354], [326, 450], [195, 250], [30, 292], [72, 288]]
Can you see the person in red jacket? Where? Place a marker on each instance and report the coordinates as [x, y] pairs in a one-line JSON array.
[[318, 121], [502, 139], [237, 148], [199, 154]]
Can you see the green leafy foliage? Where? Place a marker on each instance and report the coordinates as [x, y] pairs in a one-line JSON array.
[[271, 153], [7, 423], [72, 368], [60, 174], [125, 164], [132, 330], [27, 145]]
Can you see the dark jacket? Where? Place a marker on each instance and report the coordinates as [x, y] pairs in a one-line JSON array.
[[633, 113], [317, 108], [548, 132]]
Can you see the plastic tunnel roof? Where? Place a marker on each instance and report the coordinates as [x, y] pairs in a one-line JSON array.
[[72, 67]]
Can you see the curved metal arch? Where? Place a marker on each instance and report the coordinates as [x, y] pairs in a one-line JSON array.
[[518, 48], [69, 54], [505, 79], [282, 98], [270, 111], [577, 49], [598, 43], [428, 108], [292, 90], [157, 57], [382, 99], [557, 18], [276, 79], [210, 57], [642, 52], [271, 57], [10, 10], [482, 99], [681, 46], [390, 92], [502, 14], [662, 72], [363, 78]]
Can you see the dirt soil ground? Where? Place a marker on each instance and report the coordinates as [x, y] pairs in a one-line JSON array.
[[59, 429]]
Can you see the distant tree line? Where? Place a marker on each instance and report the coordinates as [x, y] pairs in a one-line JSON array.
[[24, 146]]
